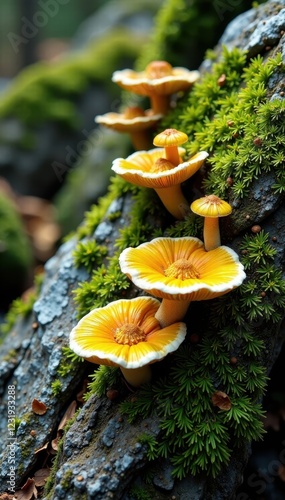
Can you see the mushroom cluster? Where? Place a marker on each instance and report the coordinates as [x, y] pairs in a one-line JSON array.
[[159, 81], [163, 169], [134, 333]]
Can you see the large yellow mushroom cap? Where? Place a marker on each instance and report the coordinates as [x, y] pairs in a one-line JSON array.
[[181, 269], [159, 78], [142, 168], [125, 333], [211, 206], [170, 137]]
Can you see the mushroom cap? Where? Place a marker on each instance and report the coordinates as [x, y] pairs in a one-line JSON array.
[[138, 168], [158, 78], [211, 206], [124, 122], [93, 338], [170, 137], [181, 269]]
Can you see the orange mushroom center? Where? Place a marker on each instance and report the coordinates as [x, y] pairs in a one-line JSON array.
[[158, 69], [213, 199], [182, 269], [161, 165], [129, 334], [133, 112]]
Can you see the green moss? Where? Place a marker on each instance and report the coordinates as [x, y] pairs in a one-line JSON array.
[[247, 132], [56, 387], [102, 379], [69, 362], [89, 254], [44, 92], [51, 478]]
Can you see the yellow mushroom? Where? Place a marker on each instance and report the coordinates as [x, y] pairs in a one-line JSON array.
[[180, 270], [170, 139], [135, 121], [155, 170], [158, 81], [125, 333], [211, 207]]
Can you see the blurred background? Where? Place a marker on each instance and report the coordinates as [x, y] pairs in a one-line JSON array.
[[50, 24]]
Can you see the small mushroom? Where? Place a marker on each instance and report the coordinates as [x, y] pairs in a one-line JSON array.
[[211, 207], [158, 81], [154, 170], [135, 121], [180, 270], [125, 333], [170, 139]]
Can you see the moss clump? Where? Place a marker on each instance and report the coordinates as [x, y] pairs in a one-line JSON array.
[[69, 363], [101, 380], [247, 132], [89, 254], [56, 387]]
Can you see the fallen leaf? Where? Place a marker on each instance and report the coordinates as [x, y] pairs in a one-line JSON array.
[[41, 476], [54, 443], [221, 400], [67, 415], [27, 492], [38, 407]]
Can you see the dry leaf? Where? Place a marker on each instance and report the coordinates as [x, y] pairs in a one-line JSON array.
[[41, 476], [27, 492], [221, 400], [38, 407], [55, 441], [68, 415]]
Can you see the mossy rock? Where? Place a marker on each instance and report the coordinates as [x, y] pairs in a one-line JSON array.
[[232, 342]]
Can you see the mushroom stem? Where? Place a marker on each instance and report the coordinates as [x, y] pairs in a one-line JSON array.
[[172, 155], [160, 103], [174, 201], [140, 140], [171, 311], [137, 376], [212, 238]]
